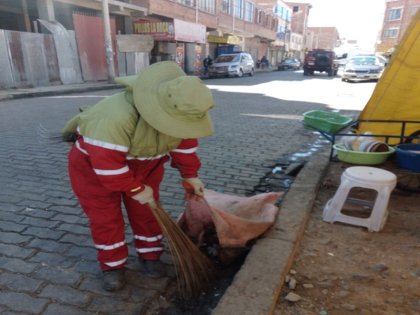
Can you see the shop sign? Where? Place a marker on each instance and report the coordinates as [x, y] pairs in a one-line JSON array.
[[134, 43], [226, 39], [160, 31], [172, 31], [189, 32]]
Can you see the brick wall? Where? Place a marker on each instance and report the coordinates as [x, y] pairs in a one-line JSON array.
[[409, 9], [324, 37]]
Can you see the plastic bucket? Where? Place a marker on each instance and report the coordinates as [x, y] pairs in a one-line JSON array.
[[408, 156]]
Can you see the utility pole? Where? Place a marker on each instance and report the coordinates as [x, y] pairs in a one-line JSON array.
[[233, 17], [108, 42], [196, 11]]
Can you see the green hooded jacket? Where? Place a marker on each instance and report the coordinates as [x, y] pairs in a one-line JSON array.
[[115, 120]]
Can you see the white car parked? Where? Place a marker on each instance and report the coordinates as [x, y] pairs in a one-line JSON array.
[[363, 68], [234, 64]]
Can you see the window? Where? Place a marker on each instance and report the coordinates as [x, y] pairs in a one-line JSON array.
[[288, 16], [207, 5], [274, 24], [391, 33], [189, 3], [249, 9], [260, 17], [238, 10], [226, 58], [394, 14], [363, 60], [226, 6], [296, 8]]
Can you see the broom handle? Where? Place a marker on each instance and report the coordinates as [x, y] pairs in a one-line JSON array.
[[153, 205]]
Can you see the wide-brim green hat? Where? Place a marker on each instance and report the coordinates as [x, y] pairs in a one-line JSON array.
[[172, 102]]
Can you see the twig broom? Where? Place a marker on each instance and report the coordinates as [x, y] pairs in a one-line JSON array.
[[193, 269]]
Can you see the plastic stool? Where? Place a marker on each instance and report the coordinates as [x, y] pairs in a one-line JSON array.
[[364, 177]]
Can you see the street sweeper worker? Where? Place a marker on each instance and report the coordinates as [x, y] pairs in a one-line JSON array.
[[120, 147]]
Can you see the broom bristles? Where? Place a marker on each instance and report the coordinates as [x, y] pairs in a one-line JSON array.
[[193, 269]]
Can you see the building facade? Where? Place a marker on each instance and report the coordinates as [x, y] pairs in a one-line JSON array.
[[207, 27], [299, 26], [397, 17], [47, 42], [181, 30], [279, 48], [322, 38]]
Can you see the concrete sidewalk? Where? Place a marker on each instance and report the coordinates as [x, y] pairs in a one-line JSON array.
[[55, 89], [256, 287]]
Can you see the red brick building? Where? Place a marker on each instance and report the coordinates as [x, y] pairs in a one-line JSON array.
[[207, 27], [397, 17], [322, 38], [300, 13], [182, 30], [299, 25]]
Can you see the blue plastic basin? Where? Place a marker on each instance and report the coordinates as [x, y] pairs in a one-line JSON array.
[[408, 156]]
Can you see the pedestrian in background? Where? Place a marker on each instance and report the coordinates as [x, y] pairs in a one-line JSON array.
[[207, 62], [121, 146], [264, 62]]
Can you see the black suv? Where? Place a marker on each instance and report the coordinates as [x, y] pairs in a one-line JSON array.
[[320, 60]]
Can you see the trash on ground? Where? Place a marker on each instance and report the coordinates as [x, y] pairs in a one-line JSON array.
[[227, 222]]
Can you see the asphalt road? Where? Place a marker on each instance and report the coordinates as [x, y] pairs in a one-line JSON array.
[[47, 262]]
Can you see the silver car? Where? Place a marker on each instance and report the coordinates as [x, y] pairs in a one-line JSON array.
[[363, 68], [235, 65]]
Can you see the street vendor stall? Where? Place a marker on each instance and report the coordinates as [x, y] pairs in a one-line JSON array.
[[389, 124]]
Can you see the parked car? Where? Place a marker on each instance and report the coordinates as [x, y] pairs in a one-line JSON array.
[[383, 60], [234, 64], [363, 68], [320, 60], [342, 61], [289, 63]]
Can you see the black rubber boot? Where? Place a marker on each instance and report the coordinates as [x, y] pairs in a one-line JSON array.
[[113, 280], [153, 268]]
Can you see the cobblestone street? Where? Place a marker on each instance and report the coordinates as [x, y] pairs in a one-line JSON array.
[[48, 264]]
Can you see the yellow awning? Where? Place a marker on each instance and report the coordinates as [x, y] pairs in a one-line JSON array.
[[397, 94], [226, 39]]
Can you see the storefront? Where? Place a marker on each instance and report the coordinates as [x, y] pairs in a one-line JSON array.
[[176, 40], [223, 44]]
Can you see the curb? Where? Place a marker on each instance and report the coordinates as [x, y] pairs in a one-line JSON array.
[[10, 94], [54, 90], [255, 290]]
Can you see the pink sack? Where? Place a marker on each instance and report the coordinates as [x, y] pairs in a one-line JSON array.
[[232, 220]]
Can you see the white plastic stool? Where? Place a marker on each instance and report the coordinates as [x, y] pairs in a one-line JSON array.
[[364, 177]]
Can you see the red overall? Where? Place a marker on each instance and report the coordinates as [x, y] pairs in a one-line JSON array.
[[101, 178]]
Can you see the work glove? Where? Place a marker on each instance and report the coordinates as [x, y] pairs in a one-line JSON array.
[[197, 185], [146, 196]]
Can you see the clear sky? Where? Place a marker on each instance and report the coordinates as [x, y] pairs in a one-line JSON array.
[[354, 19]]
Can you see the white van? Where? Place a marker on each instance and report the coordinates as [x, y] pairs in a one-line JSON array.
[[234, 64]]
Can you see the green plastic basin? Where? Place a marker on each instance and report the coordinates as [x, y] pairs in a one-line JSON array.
[[325, 121], [361, 158]]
